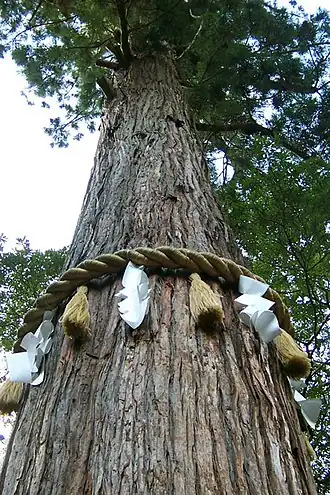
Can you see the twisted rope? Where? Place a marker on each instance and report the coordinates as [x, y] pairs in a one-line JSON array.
[[162, 257]]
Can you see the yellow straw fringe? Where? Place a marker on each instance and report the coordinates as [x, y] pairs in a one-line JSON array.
[[76, 318], [10, 395], [206, 309], [295, 362], [309, 448]]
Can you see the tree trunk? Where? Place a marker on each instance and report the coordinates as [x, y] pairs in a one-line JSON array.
[[166, 408]]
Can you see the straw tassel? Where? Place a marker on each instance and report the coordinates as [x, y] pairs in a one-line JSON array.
[[309, 448], [295, 362], [206, 309], [76, 318], [10, 396]]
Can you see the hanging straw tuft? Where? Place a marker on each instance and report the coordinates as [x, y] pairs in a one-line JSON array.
[[10, 396], [205, 307], [309, 448], [76, 318], [295, 362]]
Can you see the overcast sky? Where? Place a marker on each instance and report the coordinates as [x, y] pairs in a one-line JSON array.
[[41, 189]]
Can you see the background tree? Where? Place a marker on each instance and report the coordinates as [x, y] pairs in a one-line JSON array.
[[171, 408], [279, 211], [24, 274]]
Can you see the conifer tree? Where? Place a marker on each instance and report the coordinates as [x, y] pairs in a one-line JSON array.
[[168, 407]]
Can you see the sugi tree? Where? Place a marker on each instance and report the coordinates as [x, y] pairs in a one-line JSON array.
[[171, 407]]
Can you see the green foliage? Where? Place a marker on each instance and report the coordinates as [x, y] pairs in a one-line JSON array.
[[236, 59], [24, 274], [279, 210]]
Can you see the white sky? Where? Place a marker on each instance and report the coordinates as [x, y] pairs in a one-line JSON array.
[[41, 189]]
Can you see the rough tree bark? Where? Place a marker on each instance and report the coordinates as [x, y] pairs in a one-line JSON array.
[[166, 408]]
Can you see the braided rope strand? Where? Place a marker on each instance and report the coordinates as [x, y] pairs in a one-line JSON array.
[[161, 257]]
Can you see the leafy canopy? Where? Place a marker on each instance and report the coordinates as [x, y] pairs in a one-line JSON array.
[[24, 274], [236, 58]]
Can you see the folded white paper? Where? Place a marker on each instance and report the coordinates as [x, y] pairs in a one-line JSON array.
[[266, 324], [256, 312], [134, 296], [255, 301], [48, 315], [310, 408], [28, 366], [297, 384], [248, 285], [19, 367]]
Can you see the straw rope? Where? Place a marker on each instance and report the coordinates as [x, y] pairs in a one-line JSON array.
[[161, 257]]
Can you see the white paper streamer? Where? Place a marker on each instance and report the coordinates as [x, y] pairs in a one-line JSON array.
[[266, 324], [254, 301], [248, 285], [310, 408], [19, 367], [28, 366], [135, 295], [297, 384], [256, 313]]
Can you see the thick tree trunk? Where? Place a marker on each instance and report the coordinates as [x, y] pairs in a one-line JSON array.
[[166, 408]]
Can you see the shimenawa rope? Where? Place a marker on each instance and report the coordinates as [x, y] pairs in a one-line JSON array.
[[161, 257]]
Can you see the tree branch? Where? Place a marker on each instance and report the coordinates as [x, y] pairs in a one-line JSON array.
[[250, 128], [124, 31], [87, 47], [106, 87], [116, 49], [283, 85], [192, 41], [107, 63], [41, 24], [34, 13], [246, 127]]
